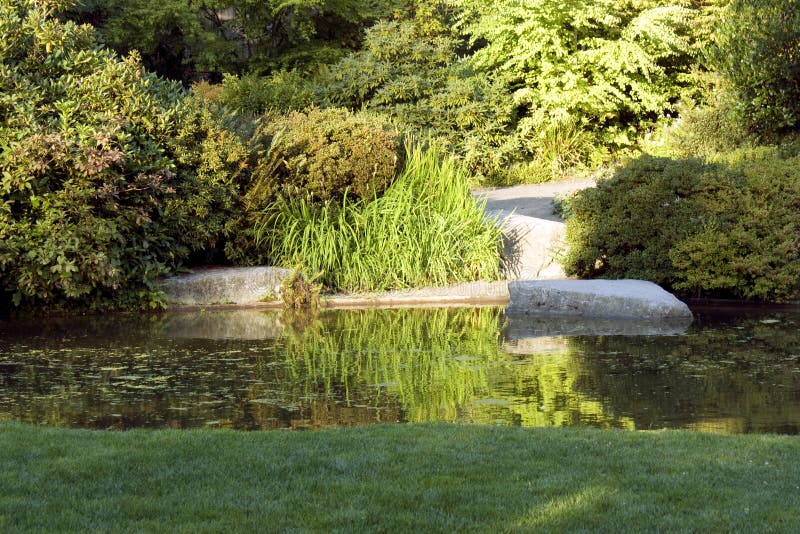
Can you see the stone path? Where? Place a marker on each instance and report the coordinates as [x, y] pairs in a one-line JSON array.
[[532, 200], [534, 235]]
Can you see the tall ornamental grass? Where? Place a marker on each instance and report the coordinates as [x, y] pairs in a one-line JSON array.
[[425, 230]]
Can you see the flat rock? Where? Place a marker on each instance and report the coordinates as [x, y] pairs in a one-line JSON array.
[[632, 299], [225, 285]]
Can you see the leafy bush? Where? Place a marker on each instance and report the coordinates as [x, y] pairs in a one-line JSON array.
[[417, 80], [729, 228], [757, 50], [110, 175], [426, 230], [255, 95], [614, 67], [323, 154], [706, 131]]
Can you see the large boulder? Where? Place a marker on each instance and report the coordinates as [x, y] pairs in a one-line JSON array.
[[228, 285], [633, 299]]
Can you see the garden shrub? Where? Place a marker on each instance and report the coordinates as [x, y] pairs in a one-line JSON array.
[[254, 95], [756, 49], [626, 226], [703, 131], [111, 177], [323, 154], [749, 243], [728, 228]]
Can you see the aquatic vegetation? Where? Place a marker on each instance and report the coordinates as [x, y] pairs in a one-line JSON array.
[[425, 230]]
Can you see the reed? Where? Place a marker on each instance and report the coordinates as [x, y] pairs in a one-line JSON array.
[[425, 230]]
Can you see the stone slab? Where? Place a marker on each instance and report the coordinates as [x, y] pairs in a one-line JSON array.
[[631, 299], [228, 285], [531, 246], [467, 293]]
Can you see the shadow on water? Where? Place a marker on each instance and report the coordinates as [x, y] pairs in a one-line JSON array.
[[250, 369]]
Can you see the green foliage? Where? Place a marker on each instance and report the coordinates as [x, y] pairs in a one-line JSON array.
[[425, 230], [612, 67], [626, 226], [110, 176], [254, 95], [176, 38], [749, 243], [300, 294], [706, 131], [187, 40], [417, 79], [729, 228], [321, 155], [757, 50]]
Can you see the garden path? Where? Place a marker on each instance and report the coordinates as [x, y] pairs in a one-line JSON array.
[[534, 235]]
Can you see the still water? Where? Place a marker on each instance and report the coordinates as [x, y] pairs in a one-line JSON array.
[[735, 372]]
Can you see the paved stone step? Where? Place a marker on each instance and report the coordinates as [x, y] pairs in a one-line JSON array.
[[531, 246]]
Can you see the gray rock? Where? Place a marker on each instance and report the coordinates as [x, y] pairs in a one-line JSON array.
[[225, 285], [633, 299], [247, 324], [523, 333], [531, 246]]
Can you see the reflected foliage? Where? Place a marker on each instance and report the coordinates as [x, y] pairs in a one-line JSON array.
[[263, 370]]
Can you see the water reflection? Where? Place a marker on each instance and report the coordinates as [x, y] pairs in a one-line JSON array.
[[261, 370]]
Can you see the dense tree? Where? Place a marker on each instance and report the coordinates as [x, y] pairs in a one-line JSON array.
[[610, 66], [188, 40], [756, 49]]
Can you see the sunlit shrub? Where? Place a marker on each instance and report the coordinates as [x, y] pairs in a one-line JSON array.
[[111, 177], [729, 228], [255, 95], [321, 154]]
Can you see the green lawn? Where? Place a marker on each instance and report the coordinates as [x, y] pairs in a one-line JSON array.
[[396, 478]]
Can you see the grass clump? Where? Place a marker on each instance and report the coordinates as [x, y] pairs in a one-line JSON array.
[[425, 230], [411, 478]]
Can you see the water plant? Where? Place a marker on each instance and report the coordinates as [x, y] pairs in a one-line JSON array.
[[425, 230]]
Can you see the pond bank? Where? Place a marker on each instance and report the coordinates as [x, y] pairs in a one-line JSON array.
[[261, 286]]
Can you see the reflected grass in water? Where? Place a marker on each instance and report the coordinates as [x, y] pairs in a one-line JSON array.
[[263, 370]]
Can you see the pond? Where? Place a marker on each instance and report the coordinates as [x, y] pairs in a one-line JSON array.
[[733, 372]]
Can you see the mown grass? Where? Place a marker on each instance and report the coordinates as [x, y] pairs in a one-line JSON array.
[[425, 230], [431, 478]]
